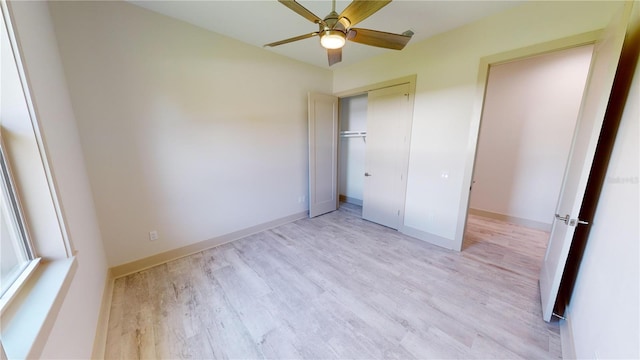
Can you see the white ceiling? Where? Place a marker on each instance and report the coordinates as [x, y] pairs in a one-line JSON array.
[[259, 22]]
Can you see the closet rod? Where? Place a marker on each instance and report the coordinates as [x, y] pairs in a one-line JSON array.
[[349, 134]]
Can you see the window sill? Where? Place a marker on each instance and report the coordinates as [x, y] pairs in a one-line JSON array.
[[27, 320], [14, 289]]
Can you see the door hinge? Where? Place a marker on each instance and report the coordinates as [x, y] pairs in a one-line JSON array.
[[565, 218]]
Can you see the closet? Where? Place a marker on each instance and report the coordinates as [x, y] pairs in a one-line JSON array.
[[353, 141], [375, 130]]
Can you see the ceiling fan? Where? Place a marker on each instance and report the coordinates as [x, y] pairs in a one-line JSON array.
[[335, 29]]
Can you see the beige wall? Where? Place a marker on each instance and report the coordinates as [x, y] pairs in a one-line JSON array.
[[529, 116], [443, 140], [74, 330], [155, 99], [186, 132]]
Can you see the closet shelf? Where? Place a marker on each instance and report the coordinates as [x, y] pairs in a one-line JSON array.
[[351, 134]]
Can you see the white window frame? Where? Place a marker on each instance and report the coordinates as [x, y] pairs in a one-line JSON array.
[[28, 318], [19, 230]]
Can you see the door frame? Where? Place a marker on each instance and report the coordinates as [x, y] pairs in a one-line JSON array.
[[587, 38], [411, 80]]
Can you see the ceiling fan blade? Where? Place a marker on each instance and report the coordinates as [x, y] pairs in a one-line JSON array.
[[301, 10], [379, 38], [335, 56], [359, 10], [285, 41]]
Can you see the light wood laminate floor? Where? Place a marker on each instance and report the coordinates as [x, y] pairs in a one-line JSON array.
[[340, 287]]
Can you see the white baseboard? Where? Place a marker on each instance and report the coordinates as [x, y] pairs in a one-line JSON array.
[[100, 341], [566, 337], [350, 200], [512, 219], [425, 236], [154, 260]]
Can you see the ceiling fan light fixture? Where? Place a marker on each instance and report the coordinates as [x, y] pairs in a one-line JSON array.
[[332, 39]]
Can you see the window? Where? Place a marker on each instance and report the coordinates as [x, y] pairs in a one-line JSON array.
[[31, 221], [16, 253]]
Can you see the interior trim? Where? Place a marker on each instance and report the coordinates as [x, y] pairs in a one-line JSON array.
[[428, 237], [100, 341], [411, 79], [27, 322], [566, 337], [474, 127], [512, 219], [350, 200], [161, 258]]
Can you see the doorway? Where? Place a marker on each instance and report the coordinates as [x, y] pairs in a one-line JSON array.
[[528, 121]]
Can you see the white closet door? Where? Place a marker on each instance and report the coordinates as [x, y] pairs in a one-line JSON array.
[[388, 128]]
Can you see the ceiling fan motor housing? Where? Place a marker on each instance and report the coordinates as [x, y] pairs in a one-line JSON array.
[[334, 22]]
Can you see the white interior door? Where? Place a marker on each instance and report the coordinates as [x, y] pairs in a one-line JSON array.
[[323, 154], [594, 103], [388, 132]]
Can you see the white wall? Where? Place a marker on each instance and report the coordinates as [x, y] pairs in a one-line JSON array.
[[604, 310], [186, 132], [353, 117], [447, 69], [74, 330], [528, 120]]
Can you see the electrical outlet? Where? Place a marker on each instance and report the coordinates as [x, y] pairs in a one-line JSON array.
[[153, 235]]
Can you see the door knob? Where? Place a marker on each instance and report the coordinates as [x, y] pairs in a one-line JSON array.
[[367, 174]]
